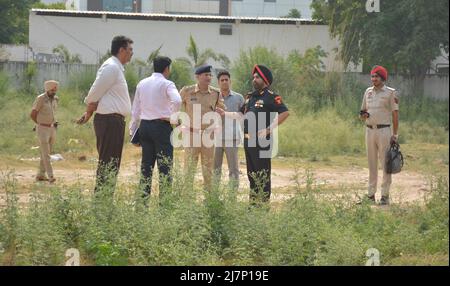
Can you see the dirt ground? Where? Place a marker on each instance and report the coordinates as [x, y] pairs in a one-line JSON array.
[[408, 186]]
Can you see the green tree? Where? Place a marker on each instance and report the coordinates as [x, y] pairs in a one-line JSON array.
[[58, 6], [181, 73], [29, 75], [405, 36], [68, 58], [293, 13], [307, 66], [14, 21], [280, 67], [153, 55], [200, 57], [320, 10]]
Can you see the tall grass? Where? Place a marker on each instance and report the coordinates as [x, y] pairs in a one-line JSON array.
[[18, 138], [190, 227]]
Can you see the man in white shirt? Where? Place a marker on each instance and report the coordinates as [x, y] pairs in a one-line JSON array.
[[156, 99], [109, 98]]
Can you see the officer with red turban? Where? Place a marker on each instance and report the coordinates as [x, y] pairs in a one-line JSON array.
[[379, 110]]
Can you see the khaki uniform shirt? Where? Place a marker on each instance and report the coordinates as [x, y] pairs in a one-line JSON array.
[[46, 108], [380, 104], [205, 101]]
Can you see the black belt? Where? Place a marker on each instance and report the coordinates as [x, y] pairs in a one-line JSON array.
[[47, 125], [160, 120], [156, 121], [111, 114], [378, 126]]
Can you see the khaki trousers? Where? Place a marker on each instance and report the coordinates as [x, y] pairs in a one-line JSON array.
[[207, 157], [47, 137], [377, 144]]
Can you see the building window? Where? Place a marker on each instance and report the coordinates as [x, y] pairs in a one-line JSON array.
[[226, 29]]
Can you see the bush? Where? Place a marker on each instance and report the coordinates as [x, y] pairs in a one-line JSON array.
[[4, 83], [319, 135], [81, 82], [242, 69], [71, 138], [188, 227], [181, 74]]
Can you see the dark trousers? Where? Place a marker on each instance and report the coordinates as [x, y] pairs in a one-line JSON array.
[[109, 131], [258, 173], [156, 147]]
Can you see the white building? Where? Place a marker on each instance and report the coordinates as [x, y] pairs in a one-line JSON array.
[[89, 34], [238, 8]]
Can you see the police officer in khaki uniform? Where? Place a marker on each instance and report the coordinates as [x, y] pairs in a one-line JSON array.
[[43, 114], [379, 110], [197, 100]]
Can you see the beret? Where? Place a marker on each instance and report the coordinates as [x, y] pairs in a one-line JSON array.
[[203, 69]]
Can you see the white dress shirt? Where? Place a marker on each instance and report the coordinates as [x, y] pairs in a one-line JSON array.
[[110, 89], [155, 98]]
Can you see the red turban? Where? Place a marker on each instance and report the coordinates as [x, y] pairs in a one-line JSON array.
[[381, 71]]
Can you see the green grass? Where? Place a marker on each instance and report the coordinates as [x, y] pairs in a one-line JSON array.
[[318, 226], [184, 229]]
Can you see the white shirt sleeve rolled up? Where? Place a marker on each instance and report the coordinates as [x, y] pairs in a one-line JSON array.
[[105, 79]]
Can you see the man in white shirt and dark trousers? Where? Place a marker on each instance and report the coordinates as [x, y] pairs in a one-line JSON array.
[[109, 98], [156, 99]]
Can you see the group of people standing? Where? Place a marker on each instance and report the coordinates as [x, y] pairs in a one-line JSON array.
[[155, 114]]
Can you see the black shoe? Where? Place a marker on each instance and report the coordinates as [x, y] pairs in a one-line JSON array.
[[384, 201]]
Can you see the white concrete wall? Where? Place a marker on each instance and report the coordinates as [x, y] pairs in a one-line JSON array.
[[80, 5], [19, 53], [147, 6], [91, 37]]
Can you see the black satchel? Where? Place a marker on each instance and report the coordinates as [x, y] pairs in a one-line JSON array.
[[394, 159]]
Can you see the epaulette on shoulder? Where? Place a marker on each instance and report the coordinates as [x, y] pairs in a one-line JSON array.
[[215, 89], [390, 88], [187, 88]]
